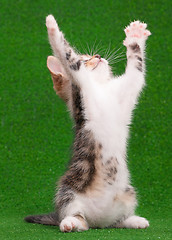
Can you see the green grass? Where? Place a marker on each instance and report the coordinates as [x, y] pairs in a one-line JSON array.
[[35, 127]]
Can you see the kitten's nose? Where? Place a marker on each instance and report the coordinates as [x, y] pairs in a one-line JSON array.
[[97, 56]]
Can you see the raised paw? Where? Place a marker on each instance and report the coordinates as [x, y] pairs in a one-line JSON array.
[[51, 23], [136, 30], [70, 224]]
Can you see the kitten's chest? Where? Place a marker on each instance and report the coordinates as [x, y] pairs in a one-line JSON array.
[[105, 120]]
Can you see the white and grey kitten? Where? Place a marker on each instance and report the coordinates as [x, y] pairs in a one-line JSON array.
[[95, 192]]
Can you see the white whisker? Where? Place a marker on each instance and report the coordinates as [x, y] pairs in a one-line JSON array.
[[107, 51], [89, 50], [116, 61], [97, 49], [92, 50]]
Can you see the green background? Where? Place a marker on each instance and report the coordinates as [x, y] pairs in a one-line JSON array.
[[35, 128]]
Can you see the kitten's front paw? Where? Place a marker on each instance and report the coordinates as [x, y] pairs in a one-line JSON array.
[[137, 31]]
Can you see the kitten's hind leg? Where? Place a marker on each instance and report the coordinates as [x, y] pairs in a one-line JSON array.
[[76, 223], [134, 222]]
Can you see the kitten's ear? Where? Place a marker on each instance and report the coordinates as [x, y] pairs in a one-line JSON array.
[[54, 65], [57, 73], [60, 82]]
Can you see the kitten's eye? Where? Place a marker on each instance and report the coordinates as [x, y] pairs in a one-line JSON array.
[[85, 61]]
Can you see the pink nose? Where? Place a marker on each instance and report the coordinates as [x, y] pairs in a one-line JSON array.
[[97, 56]]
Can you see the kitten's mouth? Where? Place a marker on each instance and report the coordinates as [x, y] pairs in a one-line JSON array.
[[99, 61]]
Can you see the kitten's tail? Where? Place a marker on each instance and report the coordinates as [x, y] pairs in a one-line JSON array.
[[46, 219]]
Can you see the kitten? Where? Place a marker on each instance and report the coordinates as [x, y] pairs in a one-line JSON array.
[[95, 192]]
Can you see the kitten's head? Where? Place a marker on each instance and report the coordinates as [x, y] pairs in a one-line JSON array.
[[97, 66]]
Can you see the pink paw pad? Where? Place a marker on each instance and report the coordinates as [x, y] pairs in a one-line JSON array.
[[137, 29]]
